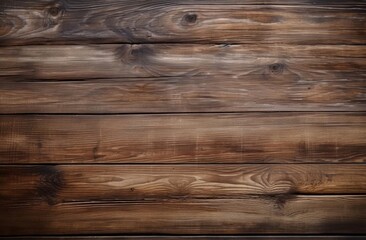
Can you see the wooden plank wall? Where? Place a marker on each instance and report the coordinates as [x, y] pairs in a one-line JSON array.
[[195, 119]]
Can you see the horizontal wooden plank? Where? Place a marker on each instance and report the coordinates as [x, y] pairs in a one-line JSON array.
[[184, 138], [186, 237], [263, 215], [73, 62], [59, 184], [181, 21], [176, 78], [17, 4]]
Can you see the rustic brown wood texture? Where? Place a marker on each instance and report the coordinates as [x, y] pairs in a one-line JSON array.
[[172, 119], [253, 214], [192, 237], [137, 182], [181, 78], [181, 21], [186, 138]]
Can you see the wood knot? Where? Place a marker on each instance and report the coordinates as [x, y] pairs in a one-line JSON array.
[[276, 68], [53, 15], [189, 19], [137, 55], [181, 183], [54, 11]]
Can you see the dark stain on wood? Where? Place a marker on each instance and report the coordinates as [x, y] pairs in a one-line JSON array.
[[280, 200], [51, 181]]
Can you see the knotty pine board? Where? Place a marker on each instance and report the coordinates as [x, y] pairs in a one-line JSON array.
[[184, 138], [321, 22], [181, 78]]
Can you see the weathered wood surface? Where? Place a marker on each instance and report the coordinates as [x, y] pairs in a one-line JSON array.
[[60, 184], [153, 119], [192, 237], [176, 78], [65, 62], [255, 214], [184, 138], [24, 22]]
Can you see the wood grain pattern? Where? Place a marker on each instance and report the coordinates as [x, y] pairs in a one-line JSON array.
[[176, 78], [190, 237], [61, 184], [66, 62], [263, 215], [182, 119], [198, 138], [48, 21]]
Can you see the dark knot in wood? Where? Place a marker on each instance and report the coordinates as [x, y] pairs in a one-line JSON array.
[[134, 54], [276, 68], [53, 15], [54, 11], [189, 19]]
